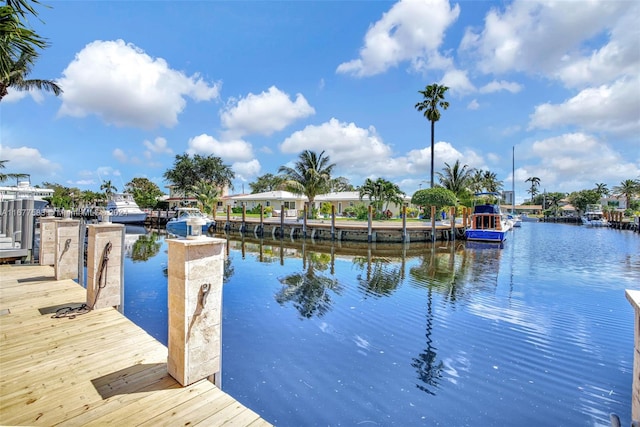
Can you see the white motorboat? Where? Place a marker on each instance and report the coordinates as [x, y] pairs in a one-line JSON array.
[[179, 225], [594, 217], [515, 219], [24, 191], [124, 210]]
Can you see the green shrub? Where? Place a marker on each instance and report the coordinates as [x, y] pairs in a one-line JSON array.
[[325, 209]]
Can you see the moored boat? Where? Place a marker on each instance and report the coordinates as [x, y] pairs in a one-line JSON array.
[[515, 219], [594, 217], [179, 225], [24, 191], [488, 223], [124, 210]]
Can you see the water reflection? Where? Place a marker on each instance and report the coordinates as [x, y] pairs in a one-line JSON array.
[[383, 275], [145, 247], [501, 328], [427, 365], [309, 290]]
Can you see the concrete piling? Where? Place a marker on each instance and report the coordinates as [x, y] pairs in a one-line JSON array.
[[105, 265], [195, 304], [67, 249]]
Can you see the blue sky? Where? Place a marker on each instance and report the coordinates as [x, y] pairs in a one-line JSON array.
[[256, 83]]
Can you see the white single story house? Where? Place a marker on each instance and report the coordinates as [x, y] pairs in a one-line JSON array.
[[292, 201], [274, 199], [346, 199]]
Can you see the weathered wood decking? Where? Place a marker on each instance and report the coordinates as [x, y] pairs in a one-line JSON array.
[[95, 369]]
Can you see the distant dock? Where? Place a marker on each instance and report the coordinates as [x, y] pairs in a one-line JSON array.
[[341, 230], [95, 369]]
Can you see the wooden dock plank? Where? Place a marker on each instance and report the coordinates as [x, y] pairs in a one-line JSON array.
[[191, 411], [94, 369]]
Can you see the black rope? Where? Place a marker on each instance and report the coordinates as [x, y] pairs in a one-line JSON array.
[[72, 312]]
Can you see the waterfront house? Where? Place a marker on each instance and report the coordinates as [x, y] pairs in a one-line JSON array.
[[344, 199], [295, 202], [177, 198]]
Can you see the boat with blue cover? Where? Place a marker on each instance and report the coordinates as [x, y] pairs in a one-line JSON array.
[[488, 223], [181, 223]]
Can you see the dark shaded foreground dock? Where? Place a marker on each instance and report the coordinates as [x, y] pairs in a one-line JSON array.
[[94, 369]]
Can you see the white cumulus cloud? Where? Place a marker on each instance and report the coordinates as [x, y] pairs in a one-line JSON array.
[[26, 160], [412, 30], [496, 86], [264, 113], [568, 162], [245, 171], [535, 36], [124, 86], [158, 146], [233, 150], [613, 108]]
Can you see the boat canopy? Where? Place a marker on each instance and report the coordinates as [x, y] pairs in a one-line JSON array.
[[486, 209]]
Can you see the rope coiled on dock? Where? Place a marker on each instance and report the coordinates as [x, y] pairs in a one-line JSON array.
[[72, 312]]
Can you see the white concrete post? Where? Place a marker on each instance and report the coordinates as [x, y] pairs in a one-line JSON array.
[[195, 273], [47, 240], [67, 250], [105, 265], [634, 298]]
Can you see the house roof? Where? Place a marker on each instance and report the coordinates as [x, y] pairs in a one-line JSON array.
[[270, 195], [343, 195], [286, 195]]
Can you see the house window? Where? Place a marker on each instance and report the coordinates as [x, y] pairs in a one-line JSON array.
[[289, 205], [339, 207], [268, 203]]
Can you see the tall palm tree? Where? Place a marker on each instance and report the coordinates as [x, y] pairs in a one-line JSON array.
[[601, 189], [15, 37], [627, 188], [6, 176], [310, 176], [456, 178], [491, 182], [554, 202], [108, 188], [381, 193], [535, 182], [3, 176], [19, 70], [433, 97], [207, 196], [477, 181]]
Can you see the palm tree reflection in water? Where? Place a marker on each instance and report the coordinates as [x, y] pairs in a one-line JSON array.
[[308, 290], [455, 270], [382, 278]]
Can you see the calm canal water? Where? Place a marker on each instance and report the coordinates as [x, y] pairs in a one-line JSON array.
[[536, 333]]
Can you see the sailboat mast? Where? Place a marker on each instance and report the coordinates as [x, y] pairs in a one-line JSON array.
[[513, 179]]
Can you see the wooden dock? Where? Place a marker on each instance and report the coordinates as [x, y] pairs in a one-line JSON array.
[[94, 369]]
